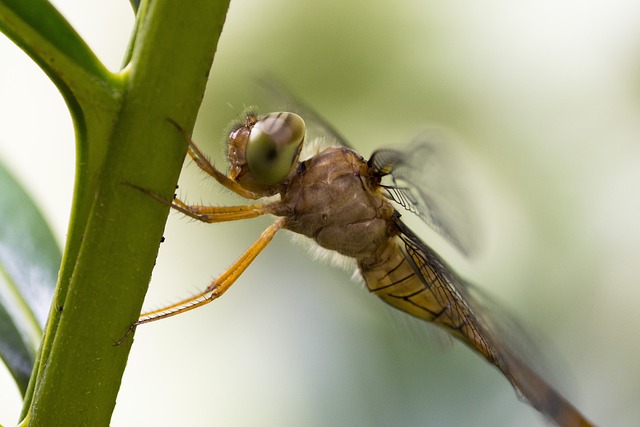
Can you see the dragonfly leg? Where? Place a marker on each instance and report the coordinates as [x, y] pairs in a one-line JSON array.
[[217, 287], [203, 162], [210, 214]]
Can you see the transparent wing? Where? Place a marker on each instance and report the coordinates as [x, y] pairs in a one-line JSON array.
[[424, 181], [420, 283], [318, 128]]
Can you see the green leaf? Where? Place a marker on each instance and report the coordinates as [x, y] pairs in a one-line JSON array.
[[42, 32], [29, 263]]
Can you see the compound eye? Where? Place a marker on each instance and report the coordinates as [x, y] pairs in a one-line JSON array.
[[274, 145]]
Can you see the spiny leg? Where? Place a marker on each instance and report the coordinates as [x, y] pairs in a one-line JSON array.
[[210, 214], [218, 287]]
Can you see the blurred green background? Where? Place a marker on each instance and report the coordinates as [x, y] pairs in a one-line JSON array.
[[543, 99]]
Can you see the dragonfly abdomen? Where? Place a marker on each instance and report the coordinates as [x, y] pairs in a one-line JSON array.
[[418, 289]]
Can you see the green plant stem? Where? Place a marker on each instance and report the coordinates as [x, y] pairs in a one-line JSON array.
[[115, 230], [93, 96]]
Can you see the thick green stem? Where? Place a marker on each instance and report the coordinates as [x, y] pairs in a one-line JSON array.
[[124, 136]]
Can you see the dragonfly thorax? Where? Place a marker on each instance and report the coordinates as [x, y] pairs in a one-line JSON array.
[[333, 199]]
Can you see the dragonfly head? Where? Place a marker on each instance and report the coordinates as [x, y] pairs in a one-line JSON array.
[[264, 150]]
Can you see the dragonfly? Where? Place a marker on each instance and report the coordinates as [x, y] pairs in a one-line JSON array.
[[352, 206]]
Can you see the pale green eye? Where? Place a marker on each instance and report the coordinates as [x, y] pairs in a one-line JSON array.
[[274, 145]]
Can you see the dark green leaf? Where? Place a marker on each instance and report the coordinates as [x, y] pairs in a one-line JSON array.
[[29, 262]]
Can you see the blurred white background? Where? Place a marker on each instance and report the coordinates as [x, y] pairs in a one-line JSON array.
[[544, 97]]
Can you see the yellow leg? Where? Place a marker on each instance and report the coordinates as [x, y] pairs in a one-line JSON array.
[[205, 164], [210, 214], [218, 287]]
